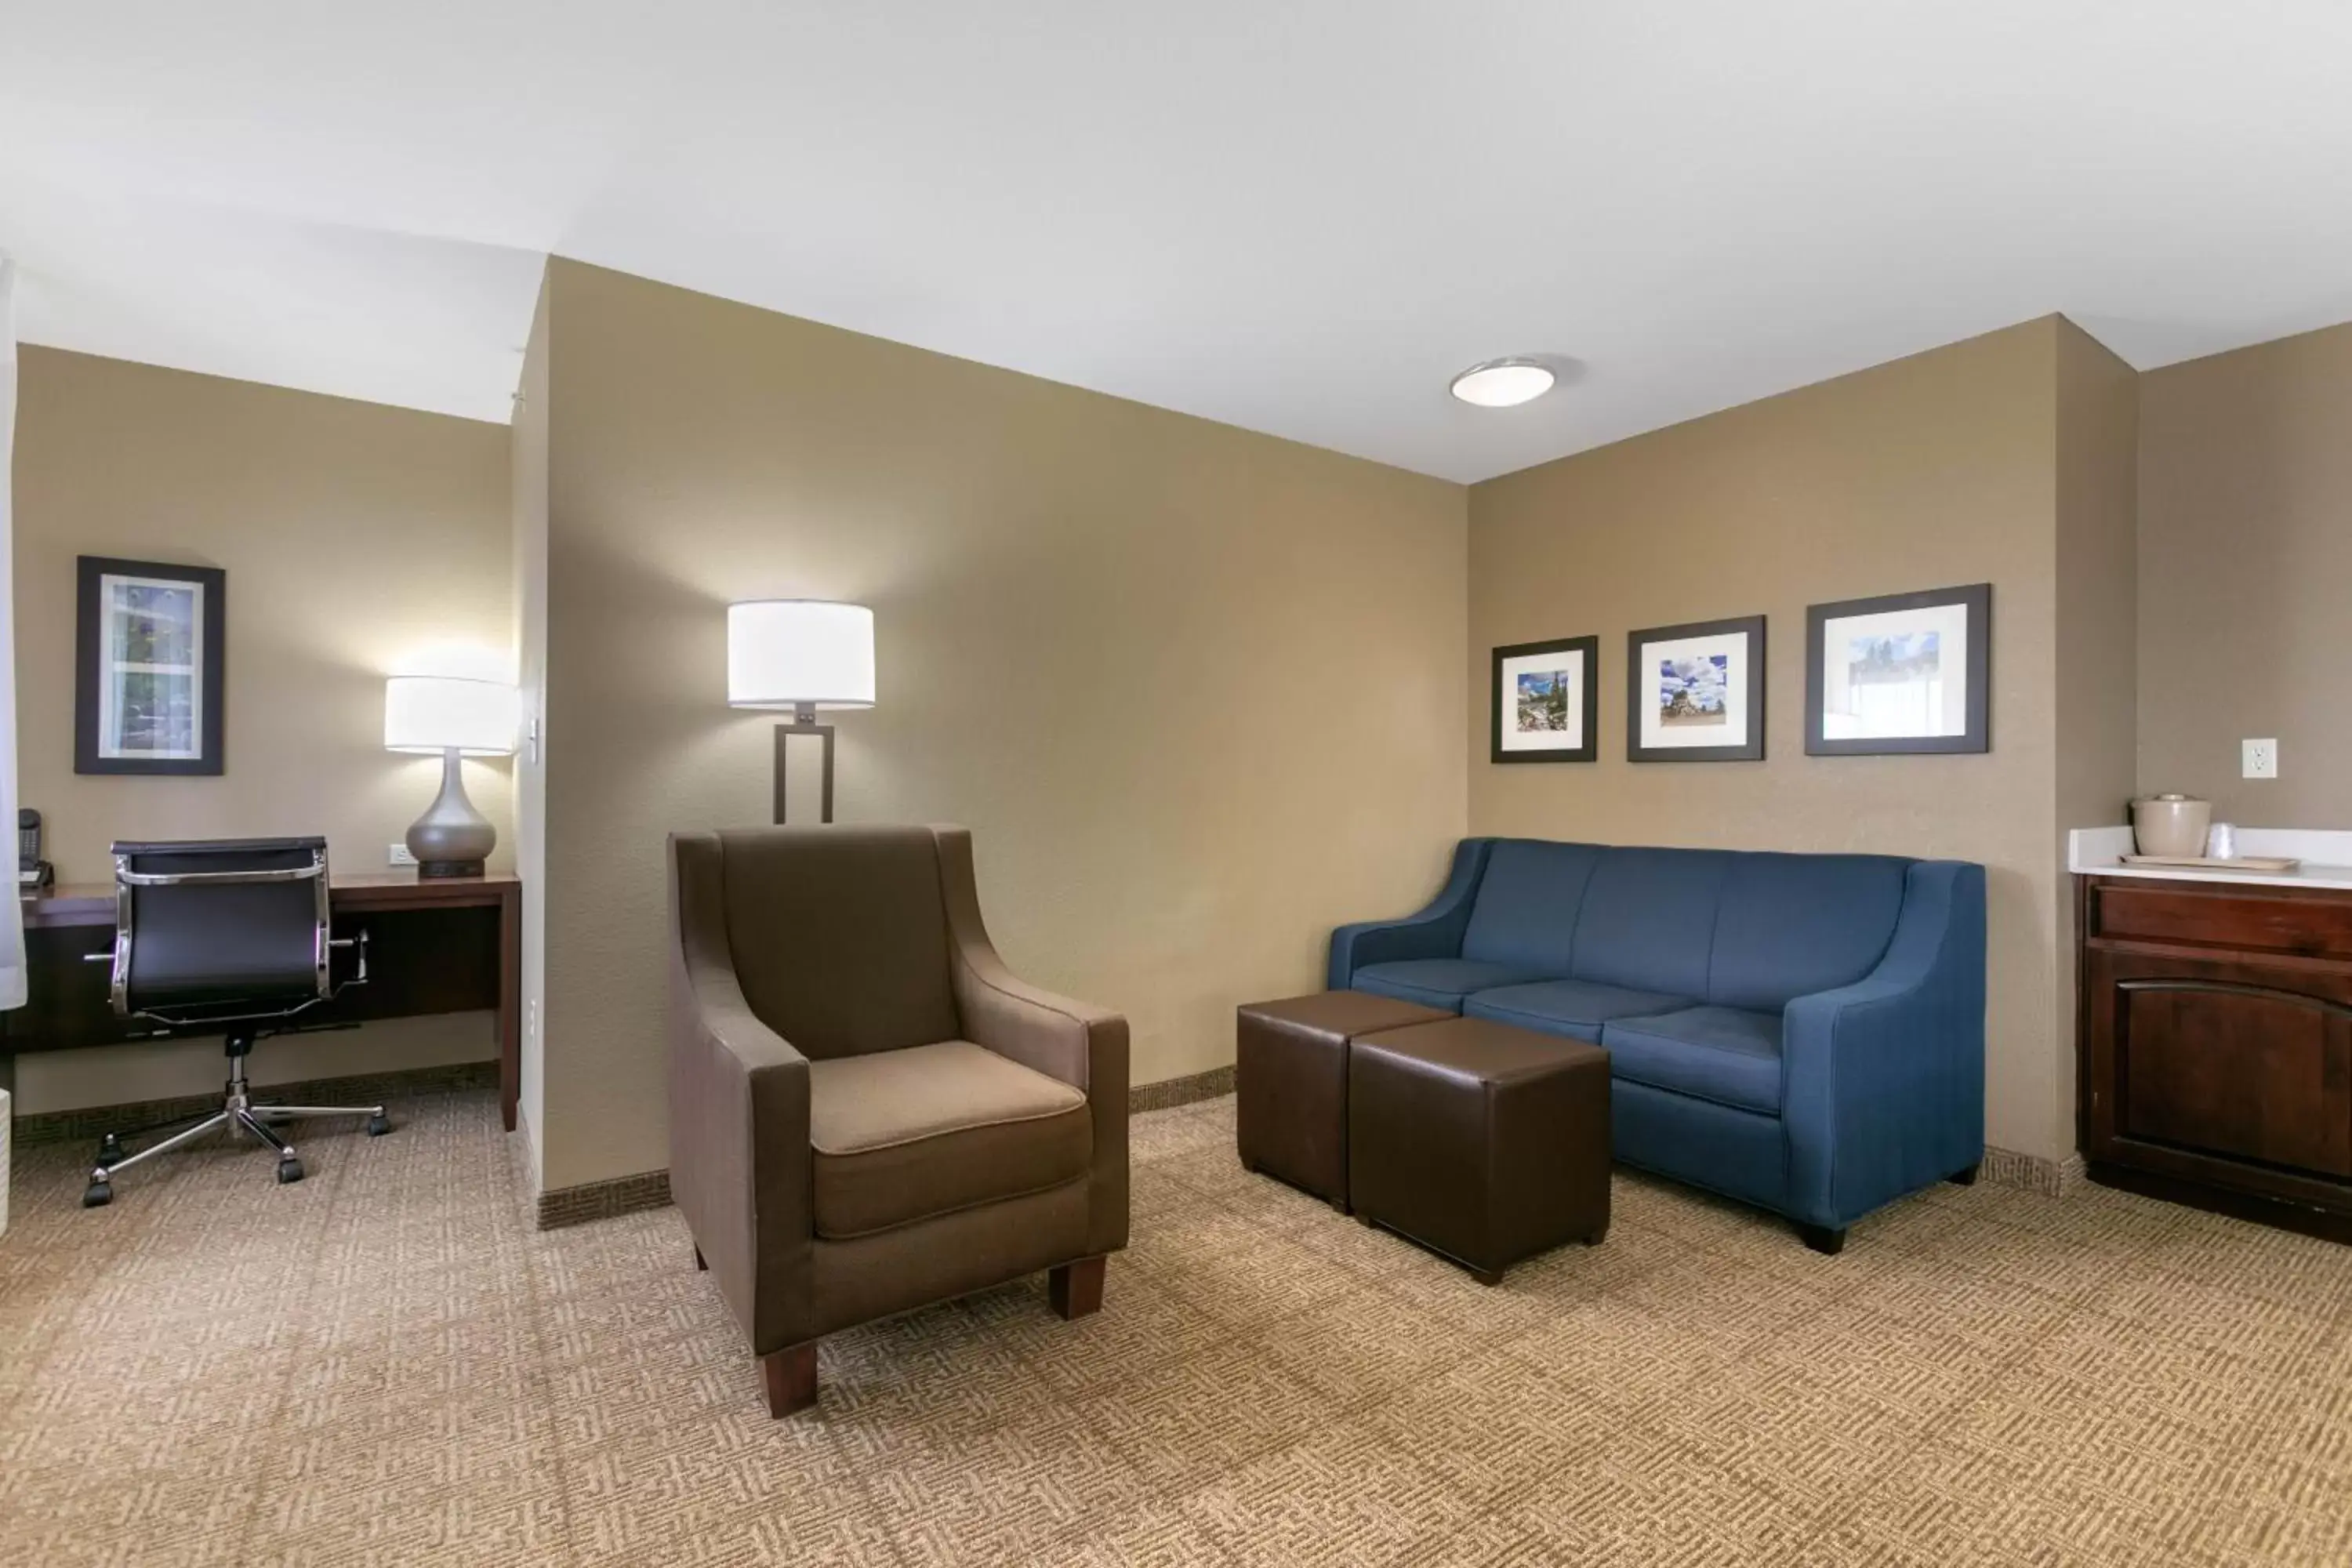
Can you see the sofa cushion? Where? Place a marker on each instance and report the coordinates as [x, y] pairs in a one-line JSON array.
[[1648, 919], [1728, 1055], [1576, 1008], [902, 1135], [1437, 982], [1528, 897], [1794, 924]]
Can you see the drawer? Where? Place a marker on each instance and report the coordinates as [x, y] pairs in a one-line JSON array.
[[2242, 919]]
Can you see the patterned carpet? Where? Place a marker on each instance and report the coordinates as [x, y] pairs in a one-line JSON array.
[[386, 1364]]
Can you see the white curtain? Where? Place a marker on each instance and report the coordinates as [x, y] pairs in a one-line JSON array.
[[12, 924]]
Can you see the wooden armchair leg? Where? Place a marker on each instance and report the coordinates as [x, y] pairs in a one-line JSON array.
[[1077, 1289], [791, 1379]]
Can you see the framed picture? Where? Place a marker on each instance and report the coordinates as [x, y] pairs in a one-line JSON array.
[[1908, 672], [1546, 702], [147, 667], [1696, 693]]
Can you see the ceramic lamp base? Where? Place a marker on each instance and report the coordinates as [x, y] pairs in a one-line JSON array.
[[451, 839]]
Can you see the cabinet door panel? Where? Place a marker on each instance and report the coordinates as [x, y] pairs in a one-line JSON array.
[[2234, 1067]]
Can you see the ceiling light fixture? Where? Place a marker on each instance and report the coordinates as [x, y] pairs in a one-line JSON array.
[[1503, 383]]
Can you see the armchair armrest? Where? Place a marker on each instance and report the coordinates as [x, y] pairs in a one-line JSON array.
[[739, 1118], [1883, 1081], [1435, 933], [1083, 1046]]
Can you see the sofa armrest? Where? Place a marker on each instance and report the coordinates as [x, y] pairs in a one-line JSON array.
[[1083, 1046], [1883, 1081], [1435, 933], [740, 1166]]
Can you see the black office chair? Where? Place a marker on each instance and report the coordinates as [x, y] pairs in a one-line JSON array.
[[228, 933]]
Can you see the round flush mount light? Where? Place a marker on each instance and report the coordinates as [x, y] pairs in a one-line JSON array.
[[1503, 383]]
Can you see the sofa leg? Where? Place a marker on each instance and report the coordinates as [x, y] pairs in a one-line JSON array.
[[700, 1266], [1597, 1237], [1077, 1289], [789, 1376], [1824, 1239], [1967, 1178]]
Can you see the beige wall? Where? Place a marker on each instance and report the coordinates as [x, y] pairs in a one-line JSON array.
[[2245, 569], [528, 504], [357, 539], [2098, 608], [1192, 688], [1935, 471]]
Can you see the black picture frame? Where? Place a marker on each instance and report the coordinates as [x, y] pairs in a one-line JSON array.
[[1637, 698], [1977, 706], [90, 572], [1589, 648]]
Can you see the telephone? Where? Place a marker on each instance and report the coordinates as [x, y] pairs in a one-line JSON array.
[[33, 873]]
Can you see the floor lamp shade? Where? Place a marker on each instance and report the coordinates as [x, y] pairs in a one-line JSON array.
[[455, 718], [799, 653]]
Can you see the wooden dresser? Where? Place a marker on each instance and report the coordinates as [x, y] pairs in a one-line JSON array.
[[2215, 1046]]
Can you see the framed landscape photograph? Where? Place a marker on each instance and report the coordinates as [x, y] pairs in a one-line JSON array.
[[1907, 672], [1546, 701], [147, 667], [1696, 693]]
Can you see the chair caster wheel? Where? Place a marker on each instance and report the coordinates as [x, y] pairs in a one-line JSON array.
[[110, 1149], [378, 1125], [289, 1170], [97, 1196]]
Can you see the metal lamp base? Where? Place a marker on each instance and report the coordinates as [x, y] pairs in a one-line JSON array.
[[803, 722], [452, 839]]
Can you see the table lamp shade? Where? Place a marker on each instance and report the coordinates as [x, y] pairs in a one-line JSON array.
[[440, 713], [794, 653]]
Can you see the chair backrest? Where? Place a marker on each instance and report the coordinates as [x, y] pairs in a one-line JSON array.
[[839, 936], [231, 923]]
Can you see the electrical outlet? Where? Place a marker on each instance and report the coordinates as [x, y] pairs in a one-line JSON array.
[[2261, 759], [398, 855]]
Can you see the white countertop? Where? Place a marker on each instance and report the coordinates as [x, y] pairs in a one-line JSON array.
[[2326, 857]]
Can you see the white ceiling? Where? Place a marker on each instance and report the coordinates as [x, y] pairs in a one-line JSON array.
[[1300, 217]]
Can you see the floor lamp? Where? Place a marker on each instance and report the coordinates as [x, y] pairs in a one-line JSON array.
[[800, 655]]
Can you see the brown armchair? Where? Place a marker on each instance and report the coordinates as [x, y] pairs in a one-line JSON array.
[[867, 1112]]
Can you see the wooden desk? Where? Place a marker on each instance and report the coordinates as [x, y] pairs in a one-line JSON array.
[[451, 945]]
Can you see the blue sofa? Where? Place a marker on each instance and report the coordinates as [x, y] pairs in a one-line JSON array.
[[1801, 1032]]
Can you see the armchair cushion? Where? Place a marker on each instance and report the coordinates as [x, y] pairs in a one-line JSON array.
[[902, 1135], [1728, 1055], [1438, 982], [1577, 1008]]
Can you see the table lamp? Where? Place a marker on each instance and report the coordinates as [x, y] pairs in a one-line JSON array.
[[801, 655], [456, 717]]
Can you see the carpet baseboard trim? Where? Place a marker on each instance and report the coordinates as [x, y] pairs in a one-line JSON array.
[[92, 1121], [1170, 1092], [2034, 1173], [561, 1207]]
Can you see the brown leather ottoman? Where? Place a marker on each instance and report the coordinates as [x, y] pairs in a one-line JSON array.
[[1483, 1142], [1290, 1081]]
